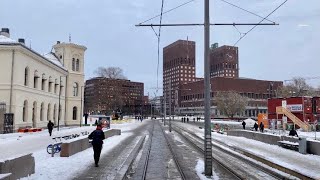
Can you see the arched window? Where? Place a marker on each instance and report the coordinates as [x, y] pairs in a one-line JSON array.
[[73, 64], [77, 65], [26, 76], [50, 84], [34, 114], [43, 82], [49, 112], [74, 113], [75, 89], [25, 111], [35, 79], [41, 112]]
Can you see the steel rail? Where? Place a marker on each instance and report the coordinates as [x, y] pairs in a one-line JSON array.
[[144, 174], [200, 149], [183, 177], [265, 170]]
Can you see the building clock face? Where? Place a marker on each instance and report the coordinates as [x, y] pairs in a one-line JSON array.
[[229, 56]]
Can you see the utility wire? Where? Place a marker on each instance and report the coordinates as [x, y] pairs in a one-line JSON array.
[[167, 11], [246, 10], [260, 22]]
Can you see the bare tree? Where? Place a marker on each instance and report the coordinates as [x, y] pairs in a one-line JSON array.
[[297, 87], [231, 103], [110, 72]]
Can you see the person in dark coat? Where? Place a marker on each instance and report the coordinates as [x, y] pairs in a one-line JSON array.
[[293, 132], [50, 127], [97, 137], [261, 127], [255, 126], [244, 125]]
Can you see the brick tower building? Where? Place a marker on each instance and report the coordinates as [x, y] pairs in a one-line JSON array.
[[224, 61], [178, 68]]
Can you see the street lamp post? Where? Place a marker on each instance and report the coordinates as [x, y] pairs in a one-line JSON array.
[[59, 111], [81, 112]]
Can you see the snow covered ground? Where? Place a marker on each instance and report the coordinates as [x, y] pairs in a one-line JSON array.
[[306, 164], [309, 135], [47, 167]]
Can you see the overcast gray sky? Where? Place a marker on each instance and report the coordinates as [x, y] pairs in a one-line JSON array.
[[106, 28]]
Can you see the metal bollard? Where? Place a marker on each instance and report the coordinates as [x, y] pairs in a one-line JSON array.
[[52, 150]]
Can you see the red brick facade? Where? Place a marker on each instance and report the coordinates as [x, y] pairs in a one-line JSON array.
[[178, 67], [104, 94]]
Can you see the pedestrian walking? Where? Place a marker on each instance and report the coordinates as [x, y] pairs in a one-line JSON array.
[[293, 132], [244, 125], [255, 126], [187, 120], [261, 127], [97, 137], [50, 127]]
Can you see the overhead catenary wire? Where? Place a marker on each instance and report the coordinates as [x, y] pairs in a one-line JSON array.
[[260, 22], [159, 35], [246, 10], [167, 11]]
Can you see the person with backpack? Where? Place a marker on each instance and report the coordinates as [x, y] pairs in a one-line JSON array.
[[50, 127], [97, 137]]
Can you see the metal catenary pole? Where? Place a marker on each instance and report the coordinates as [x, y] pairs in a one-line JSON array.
[[207, 132]]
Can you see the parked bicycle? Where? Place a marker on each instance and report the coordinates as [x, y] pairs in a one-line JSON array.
[[55, 148]]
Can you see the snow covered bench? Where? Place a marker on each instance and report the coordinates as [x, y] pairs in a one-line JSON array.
[[17, 167], [289, 145], [5, 176]]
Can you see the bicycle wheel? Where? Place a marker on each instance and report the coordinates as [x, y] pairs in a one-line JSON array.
[[49, 148], [57, 148]]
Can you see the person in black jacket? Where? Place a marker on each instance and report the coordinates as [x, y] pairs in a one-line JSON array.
[[97, 137], [255, 126], [293, 132], [50, 127], [244, 125]]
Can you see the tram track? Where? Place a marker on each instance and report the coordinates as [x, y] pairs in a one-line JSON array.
[[241, 167]]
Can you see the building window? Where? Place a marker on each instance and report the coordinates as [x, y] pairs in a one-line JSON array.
[[74, 113], [48, 112], [77, 65], [25, 111], [75, 89], [41, 112], [43, 82], [26, 76], [35, 80], [73, 64], [34, 113]]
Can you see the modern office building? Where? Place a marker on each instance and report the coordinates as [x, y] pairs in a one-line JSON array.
[[104, 95]]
